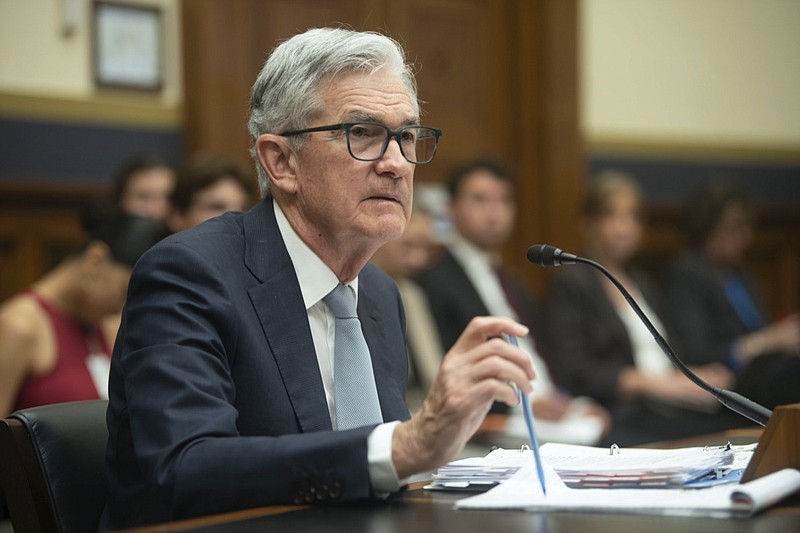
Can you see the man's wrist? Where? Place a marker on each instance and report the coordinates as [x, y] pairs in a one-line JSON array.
[[382, 472]]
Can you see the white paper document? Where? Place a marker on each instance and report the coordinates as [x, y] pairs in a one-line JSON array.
[[479, 473], [522, 492]]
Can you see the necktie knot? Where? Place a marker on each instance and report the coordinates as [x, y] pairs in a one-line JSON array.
[[342, 302]]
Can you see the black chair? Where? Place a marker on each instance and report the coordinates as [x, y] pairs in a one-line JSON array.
[[52, 466]]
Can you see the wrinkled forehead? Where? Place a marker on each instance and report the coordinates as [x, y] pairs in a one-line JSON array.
[[359, 94]]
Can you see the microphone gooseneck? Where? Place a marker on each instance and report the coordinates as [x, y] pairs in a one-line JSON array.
[[546, 255]]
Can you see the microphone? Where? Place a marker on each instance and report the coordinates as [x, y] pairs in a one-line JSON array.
[[546, 255]]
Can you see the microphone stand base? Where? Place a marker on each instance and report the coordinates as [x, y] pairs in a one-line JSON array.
[[779, 445]]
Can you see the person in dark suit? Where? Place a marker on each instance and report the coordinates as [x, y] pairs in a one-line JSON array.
[[469, 279], [715, 307], [599, 346], [222, 390]]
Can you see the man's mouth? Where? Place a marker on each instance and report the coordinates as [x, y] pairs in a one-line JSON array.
[[385, 197]]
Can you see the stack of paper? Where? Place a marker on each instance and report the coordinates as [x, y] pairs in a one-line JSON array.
[[589, 467], [478, 473]]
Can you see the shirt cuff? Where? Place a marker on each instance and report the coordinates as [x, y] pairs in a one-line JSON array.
[[382, 473]]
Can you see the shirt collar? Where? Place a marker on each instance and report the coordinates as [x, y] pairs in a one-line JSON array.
[[315, 277]]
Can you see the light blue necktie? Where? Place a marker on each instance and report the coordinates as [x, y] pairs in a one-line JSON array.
[[354, 392]]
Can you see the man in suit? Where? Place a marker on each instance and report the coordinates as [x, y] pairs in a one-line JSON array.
[[222, 391], [469, 279]]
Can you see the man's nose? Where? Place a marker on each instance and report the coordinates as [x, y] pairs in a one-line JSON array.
[[393, 158]]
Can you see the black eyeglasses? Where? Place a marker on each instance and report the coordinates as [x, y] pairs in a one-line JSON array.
[[367, 141]]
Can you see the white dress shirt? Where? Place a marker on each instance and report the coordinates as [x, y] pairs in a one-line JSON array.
[[647, 355], [316, 281]]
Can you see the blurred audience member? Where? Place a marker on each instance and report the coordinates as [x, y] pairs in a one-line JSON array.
[[402, 259], [206, 187], [715, 306], [52, 346], [142, 186], [600, 348], [469, 280]]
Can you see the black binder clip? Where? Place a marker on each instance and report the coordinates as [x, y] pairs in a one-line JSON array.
[[613, 450]]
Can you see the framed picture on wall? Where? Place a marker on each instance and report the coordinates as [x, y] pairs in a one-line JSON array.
[[127, 43]]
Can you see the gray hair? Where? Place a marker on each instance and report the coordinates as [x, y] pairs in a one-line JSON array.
[[284, 96]]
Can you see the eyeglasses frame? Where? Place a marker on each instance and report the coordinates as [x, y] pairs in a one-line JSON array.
[[390, 134]]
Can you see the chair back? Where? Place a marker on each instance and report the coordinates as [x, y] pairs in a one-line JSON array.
[[52, 466]]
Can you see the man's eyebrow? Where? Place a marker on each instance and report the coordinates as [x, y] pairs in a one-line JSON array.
[[361, 116]]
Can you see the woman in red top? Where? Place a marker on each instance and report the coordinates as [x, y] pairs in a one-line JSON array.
[[52, 345]]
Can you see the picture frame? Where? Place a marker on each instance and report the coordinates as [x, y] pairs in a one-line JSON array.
[[127, 42]]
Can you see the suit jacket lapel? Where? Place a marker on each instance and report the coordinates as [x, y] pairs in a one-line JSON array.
[[278, 303]]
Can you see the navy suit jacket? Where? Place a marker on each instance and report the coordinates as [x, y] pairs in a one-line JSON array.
[[216, 399]]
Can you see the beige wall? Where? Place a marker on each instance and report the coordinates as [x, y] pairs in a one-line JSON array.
[[705, 72], [39, 64]]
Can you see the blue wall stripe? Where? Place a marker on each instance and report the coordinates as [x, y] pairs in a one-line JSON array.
[[60, 152], [668, 182]]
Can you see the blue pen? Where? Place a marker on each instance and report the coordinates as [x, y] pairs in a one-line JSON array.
[[526, 411]]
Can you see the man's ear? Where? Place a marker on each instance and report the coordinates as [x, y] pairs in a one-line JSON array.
[[277, 156]]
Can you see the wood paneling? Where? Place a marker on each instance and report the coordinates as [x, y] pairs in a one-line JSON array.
[[224, 47], [548, 151], [463, 76]]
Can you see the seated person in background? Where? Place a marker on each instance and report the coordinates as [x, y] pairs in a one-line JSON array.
[[402, 259], [142, 186], [469, 280], [261, 360], [52, 346], [600, 348], [208, 186], [715, 307]]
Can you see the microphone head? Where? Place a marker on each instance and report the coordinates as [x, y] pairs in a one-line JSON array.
[[544, 255]]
